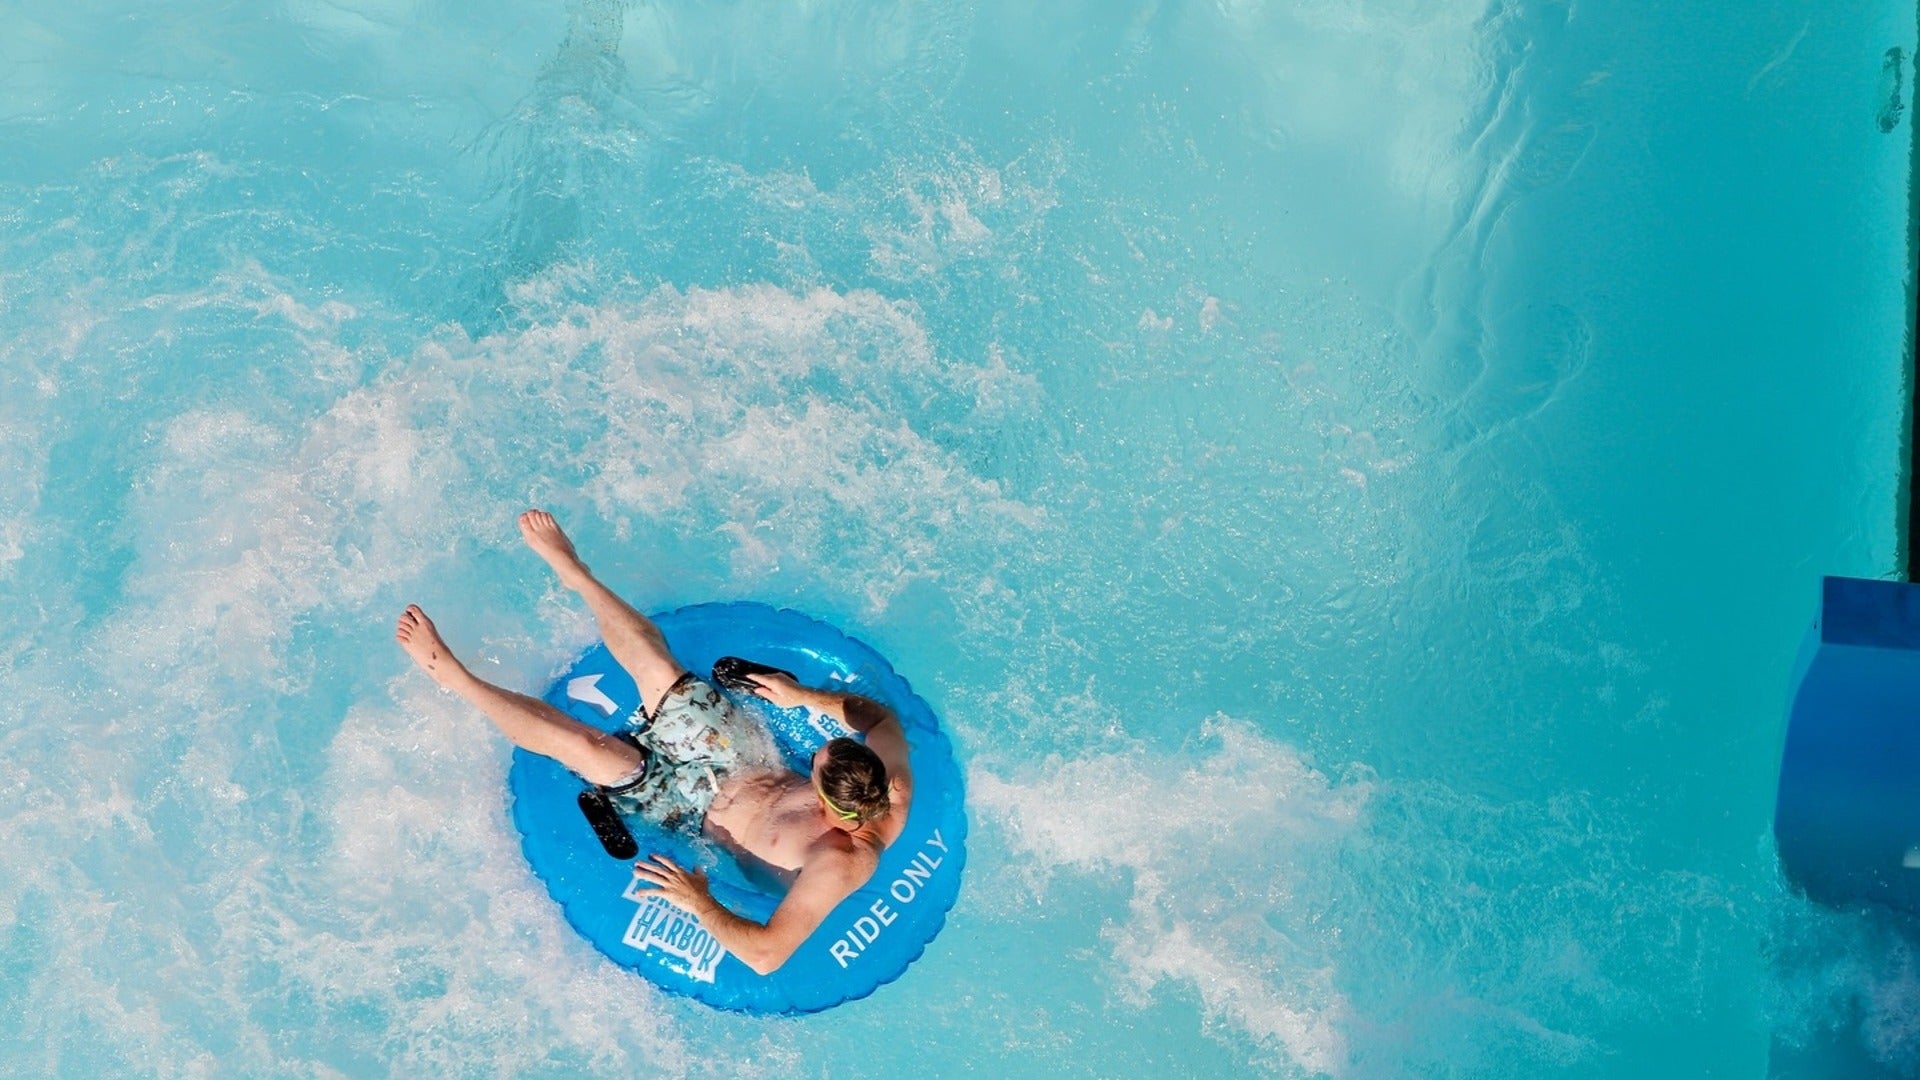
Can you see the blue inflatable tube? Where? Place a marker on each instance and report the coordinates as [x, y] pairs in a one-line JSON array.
[[866, 941]]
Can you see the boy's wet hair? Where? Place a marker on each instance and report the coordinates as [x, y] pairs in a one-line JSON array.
[[855, 779]]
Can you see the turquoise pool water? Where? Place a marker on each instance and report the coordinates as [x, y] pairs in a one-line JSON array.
[[1353, 477]]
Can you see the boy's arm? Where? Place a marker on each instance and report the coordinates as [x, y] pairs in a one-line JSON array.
[[881, 729], [828, 877]]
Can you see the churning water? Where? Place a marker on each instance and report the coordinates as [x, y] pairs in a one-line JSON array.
[[1351, 473]]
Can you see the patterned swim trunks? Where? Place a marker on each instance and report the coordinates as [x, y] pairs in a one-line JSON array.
[[693, 742]]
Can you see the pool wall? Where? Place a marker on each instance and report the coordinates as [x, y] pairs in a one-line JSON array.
[[1909, 509]]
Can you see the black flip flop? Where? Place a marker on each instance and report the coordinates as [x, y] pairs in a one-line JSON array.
[[607, 826], [599, 810], [730, 672]]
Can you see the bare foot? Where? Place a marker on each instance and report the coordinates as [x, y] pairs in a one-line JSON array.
[[544, 535], [417, 636]]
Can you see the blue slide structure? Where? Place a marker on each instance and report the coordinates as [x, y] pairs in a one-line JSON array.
[[1848, 818], [1847, 823]]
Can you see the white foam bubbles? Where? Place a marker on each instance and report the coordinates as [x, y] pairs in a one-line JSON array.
[[1892, 999], [1335, 922], [1846, 984], [957, 209], [21, 492], [1216, 847], [247, 526], [327, 876], [428, 917], [810, 429]]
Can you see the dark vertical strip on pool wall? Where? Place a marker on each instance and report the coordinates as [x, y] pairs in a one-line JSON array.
[[1909, 514]]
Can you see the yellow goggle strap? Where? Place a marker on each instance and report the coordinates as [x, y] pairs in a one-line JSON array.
[[845, 815]]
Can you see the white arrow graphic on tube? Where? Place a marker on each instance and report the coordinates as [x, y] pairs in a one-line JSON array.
[[587, 688]]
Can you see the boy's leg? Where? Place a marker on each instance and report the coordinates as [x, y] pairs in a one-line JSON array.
[[631, 637], [595, 755]]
